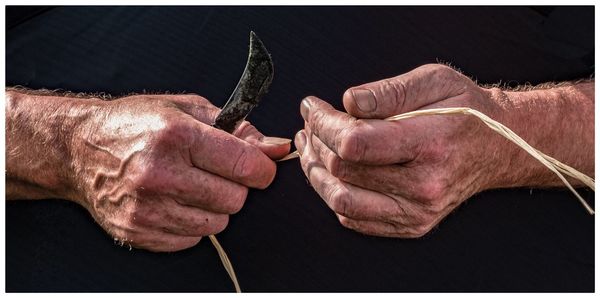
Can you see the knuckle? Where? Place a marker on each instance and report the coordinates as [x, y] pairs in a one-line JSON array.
[[440, 72], [432, 190], [337, 167], [346, 222], [447, 73], [352, 144], [396, 90], [246, 130], [252, 166], [244, 167], [174, 131], [341, 200]]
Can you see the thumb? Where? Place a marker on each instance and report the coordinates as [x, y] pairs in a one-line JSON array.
[[407, 92], [274, 147]]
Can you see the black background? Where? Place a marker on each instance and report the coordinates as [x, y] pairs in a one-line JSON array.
[[285, 238]]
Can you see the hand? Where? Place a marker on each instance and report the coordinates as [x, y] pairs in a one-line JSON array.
[[154, 173], [401, 178]]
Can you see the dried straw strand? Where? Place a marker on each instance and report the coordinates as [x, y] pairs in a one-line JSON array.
[[226, 263], [292, 155], [552, 164]]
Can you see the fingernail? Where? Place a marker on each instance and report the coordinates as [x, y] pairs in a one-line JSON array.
[[300, 140], [364, 99], [276, 141], [304, 107]]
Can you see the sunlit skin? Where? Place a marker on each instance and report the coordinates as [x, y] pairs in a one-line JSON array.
[[149, 168], [401, 178], [155, 175]]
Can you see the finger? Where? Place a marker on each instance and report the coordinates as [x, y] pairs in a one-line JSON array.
[[195, 187], [343, 198], [364, 140], [378, 228], [407, 92], [416, 189], [169, 216], [227, 156], [201, 109], [275, 148], [399, 179], [393, 229]]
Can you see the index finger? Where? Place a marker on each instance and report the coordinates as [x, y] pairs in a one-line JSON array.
[[224, 154], [343, 198], [204, 111], [367, 141]]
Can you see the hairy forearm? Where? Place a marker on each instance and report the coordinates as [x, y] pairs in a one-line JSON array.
[[557, 121], [39, 131]]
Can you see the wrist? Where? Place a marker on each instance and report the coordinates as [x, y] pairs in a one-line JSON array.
[[40, 132], [556, 121]]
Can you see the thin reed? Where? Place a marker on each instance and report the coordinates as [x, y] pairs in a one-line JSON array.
[[226, 263], [552, 164]]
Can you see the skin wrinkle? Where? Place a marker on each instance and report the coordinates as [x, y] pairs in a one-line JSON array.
[[459, 157], [17, 123], [119, 151], [372, 94], [239, 170], [401, 216], [351, 142], [331, 191], [399, 88], [350, 172], [519, 160]]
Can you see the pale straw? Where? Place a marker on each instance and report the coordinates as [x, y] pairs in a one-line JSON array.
[[552, 164]]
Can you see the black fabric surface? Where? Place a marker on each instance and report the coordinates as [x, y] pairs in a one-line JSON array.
[[285, 238]]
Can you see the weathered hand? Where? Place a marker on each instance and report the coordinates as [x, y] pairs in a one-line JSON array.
[[401, 178], [156, 175]]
